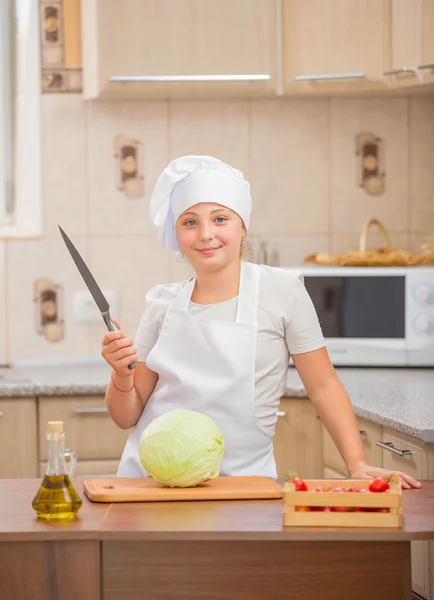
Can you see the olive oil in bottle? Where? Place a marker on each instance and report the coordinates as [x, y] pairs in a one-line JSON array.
[[57, 498]]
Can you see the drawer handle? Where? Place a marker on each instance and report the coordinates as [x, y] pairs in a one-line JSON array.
[[389, 446], [2, 414], [94, 410], [281, 413], [400, 71], [427, 66], [329, 76], [188, 78]]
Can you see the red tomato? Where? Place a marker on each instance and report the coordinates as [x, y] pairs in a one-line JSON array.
[[379, 484], [338, 489], [300, 485], [352, 488], [302, 508], [318, 489]]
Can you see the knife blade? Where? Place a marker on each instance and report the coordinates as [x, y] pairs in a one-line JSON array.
[[92, 286]]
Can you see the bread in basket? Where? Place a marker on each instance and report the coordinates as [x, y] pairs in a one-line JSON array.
[[364, 257]]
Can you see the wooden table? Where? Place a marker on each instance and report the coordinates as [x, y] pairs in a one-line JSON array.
[[200, 550]]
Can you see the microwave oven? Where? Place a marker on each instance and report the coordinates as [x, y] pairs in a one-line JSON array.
[[374, 316]]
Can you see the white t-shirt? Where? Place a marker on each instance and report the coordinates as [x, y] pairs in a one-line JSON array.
[[287, 324]]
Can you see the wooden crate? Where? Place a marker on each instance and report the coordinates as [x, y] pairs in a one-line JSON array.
[[294, 516]]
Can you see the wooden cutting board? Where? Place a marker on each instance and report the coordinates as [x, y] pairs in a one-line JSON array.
[[147, 489]]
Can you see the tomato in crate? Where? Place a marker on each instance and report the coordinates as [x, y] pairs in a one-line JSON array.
[[342, 503]]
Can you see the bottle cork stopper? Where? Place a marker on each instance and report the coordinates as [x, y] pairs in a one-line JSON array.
[[55, 426]]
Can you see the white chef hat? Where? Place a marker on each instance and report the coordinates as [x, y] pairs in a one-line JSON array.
[[188, 180]]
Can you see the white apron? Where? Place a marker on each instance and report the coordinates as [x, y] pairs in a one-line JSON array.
[[209, 366]]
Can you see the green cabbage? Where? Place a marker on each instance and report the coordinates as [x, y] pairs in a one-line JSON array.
[[182, 448]]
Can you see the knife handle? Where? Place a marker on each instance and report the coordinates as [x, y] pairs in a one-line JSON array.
[[112, 327]]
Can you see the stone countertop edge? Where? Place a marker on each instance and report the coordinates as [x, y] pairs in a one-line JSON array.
[[403, 398]]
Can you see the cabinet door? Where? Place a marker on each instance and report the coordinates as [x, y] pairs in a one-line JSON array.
[[297, 441], [427, 62], [416, 465], [18, 438], [335, 46], [158, 46], [406, 20], [88, 427], [371, 432]]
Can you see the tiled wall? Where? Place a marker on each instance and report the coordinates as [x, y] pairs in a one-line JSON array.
[[299, 156]]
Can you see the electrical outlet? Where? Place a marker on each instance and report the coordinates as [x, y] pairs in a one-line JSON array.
[[86, 310]]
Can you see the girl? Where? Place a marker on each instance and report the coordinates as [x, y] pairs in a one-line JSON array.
[[220, 343]]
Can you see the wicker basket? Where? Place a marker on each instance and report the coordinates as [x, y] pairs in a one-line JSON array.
[[364, 257]]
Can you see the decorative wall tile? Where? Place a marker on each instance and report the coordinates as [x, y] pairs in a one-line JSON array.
[[111, 212], [61, 80], [386, 118], [289, 177], [60, 35], [28, 262]]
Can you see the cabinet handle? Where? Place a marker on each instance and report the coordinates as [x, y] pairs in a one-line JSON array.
[[2, 414], [363, 433], [85, 411], [187, 78], [281, 413], [400, 71], [426, 66], [389, 446], [327, 76]]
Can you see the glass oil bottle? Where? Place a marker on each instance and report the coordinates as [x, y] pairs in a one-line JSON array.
[[57, 498]]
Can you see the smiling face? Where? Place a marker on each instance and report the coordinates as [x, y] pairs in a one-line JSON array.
[[210, 235]]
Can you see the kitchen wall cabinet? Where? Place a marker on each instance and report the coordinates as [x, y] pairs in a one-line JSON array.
[[297, 441], [18, 438], [405, 26], [412, 45], [148, 39], [427, 43], [335, 47]]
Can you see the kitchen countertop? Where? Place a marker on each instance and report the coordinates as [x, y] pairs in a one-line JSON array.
[[228, 549], [201, 520], [402, 399]]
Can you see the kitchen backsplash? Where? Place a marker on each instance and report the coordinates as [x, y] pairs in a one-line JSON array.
[[298, 154]]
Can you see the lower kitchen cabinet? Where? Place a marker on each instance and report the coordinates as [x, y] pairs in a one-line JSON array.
[[88, 427], [18, 438], [392, 450], [297, 441], [403, 453]]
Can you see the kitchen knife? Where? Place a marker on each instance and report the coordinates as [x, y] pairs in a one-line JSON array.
[[92, 286]]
